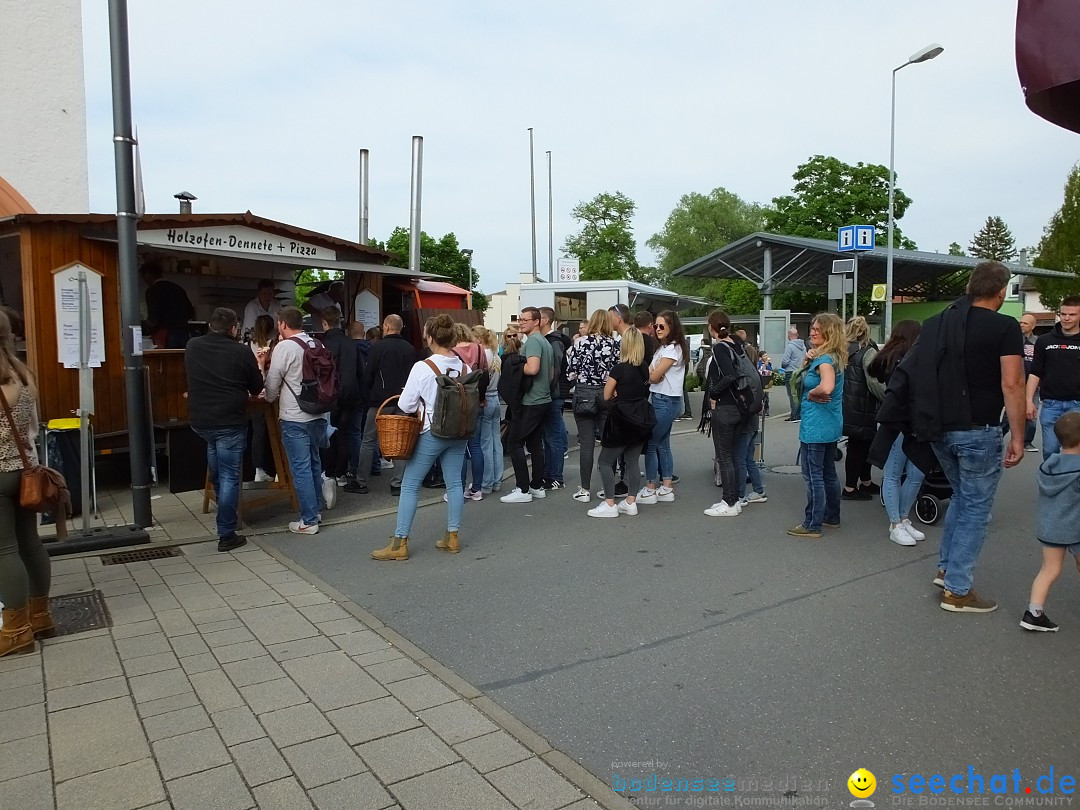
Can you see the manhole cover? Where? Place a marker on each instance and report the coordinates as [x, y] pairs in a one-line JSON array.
[[139, 555], [787, 469], [79, 612]]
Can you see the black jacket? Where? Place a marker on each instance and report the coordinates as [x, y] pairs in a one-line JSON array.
[[513, 381], [221, 375], [349, 369], [860, 406], [388, 368], [560, 344]]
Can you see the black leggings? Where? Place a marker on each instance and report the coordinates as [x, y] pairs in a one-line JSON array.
[[725, 422], [24, 563], [856, 467]]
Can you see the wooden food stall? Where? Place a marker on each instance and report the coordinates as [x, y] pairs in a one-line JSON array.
[[218, 260]]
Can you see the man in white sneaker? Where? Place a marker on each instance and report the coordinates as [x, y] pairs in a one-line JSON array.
[[527, 427], [302, 434]]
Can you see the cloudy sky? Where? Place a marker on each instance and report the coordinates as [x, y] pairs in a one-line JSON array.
[[264, 106]]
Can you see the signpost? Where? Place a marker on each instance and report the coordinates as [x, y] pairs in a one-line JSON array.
[[569, 269], [853, 238]]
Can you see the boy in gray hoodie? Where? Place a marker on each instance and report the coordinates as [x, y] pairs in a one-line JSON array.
[[1058, 518]]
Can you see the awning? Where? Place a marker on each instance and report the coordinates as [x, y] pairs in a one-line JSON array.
[[1048, 59]]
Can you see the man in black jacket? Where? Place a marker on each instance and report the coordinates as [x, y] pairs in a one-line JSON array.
[[221, 375], [555, 437], [335, 458], [388, 368]]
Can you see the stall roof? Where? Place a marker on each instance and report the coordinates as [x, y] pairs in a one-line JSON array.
[[440, 287], [641, 295], [802, 263]]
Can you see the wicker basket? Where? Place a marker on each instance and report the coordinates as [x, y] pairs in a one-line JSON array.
[[398, 432]]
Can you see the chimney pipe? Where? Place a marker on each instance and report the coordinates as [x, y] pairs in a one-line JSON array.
[[414, 212], [185, 198], [363, 196]]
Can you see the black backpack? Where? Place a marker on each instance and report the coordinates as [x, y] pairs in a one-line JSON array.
[[746, 389]]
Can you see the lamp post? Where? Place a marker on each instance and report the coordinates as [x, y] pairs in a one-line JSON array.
[[532, 202], [926, 54], [467, 253]]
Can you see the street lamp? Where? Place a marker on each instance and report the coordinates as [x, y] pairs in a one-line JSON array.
[[467, 253], [926, 54]]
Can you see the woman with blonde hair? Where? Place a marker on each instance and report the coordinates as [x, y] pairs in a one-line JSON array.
[[588, 363], [821, 380], [25, 572], [490, 414], [629, 424], [862, 396]]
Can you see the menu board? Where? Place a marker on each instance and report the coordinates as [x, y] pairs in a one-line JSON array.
[[68, 304]]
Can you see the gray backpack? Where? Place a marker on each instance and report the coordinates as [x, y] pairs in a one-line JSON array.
[[457, 403]]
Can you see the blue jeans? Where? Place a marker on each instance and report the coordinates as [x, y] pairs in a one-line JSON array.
[[658, 461], [555, 442], [900, 497], [1052, 410], [746, 465], [475, 454], [491, 442], [971, 460], [431, 450], [822, 484], [302, 442], [225, 460]]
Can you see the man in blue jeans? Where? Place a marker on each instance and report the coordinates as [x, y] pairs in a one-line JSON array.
[[1055, 373], [989, 347], [221, 375], [302, 434], [555, 437]]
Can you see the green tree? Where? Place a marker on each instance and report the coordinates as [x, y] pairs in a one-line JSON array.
[[829, 193], [994, 241], [442, 257], [307, 280], [1060, 246], [605, 245], [956, 250]]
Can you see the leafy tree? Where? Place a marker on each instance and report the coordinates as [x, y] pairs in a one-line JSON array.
[[605, 245], [442, 257], [994, 241], [1060, 245], [829, 193], [956, 250], [307, 280]]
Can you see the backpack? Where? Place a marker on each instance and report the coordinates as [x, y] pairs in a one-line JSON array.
[[746, 389], [319, 378], [457, 404], [481, 366], [558, 365]]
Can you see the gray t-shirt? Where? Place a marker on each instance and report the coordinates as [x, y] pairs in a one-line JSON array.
[[540, 393]]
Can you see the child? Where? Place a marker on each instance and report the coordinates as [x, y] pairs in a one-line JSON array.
[[1059, 515]]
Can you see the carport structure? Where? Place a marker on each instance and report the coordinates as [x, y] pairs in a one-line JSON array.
[[774, 262]]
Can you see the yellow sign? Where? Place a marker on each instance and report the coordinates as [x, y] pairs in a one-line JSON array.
[[878, 293]]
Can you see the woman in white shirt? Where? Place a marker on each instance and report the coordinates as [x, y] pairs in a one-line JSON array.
[[667, 373], [430, 450]]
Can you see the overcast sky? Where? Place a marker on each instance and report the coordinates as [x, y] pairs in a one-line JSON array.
[[263, 106]]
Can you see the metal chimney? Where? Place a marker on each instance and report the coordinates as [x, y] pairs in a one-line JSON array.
[[414, 213], [185, 198], [363, 196]]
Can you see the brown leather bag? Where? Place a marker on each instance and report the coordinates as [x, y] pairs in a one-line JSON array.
[[42, 489]]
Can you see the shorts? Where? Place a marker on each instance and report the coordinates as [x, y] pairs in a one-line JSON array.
[[1074, 548]]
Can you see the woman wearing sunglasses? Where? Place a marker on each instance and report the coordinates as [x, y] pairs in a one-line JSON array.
[[667, 373]]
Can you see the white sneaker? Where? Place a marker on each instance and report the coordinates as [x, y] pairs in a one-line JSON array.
[[604, 510], [665, 494], [342, 480], [386, 464], [901, 537], [517, 496], [755, 497], [582, 495], [329, 492], [723, 510], [647, 496], [742, 502], [262, 476], [538, 493], [627, 508], [912, 530], [299, 527], [600, 494]]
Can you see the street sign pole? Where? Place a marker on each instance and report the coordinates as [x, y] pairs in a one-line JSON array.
[[855, 288]]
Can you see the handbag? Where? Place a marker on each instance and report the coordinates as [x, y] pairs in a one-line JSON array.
[[41, 489], [587, 399]]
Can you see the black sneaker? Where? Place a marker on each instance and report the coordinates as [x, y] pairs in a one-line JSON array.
[[674, 479], [621, 489], [870, 489], [395, 491], [1040, 623], [553, 484], [234, 540], [356, 487], [855, 495]]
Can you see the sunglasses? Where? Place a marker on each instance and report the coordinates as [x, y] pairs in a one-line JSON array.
[[660, 327]]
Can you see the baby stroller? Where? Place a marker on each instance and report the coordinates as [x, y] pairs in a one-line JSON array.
[[935, 489]]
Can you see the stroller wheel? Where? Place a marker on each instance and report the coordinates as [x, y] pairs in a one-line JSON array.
[[928, 509]]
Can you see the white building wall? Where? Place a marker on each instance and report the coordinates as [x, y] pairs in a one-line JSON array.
[[43, 104]]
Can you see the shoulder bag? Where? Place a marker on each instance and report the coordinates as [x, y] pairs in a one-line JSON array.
[[42, 489]]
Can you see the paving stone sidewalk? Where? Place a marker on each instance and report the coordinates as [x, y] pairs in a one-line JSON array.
[[231, 681]]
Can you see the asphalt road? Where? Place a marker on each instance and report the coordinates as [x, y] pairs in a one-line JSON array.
[[719, 648]]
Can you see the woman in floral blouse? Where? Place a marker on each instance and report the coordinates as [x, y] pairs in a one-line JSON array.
[[588, 363]]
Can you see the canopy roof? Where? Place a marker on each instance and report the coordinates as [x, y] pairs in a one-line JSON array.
[[801, 263]]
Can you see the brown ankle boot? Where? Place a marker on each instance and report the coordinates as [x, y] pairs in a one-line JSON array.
[[16, 636], [449, 543], [40, 619], [396, 549]]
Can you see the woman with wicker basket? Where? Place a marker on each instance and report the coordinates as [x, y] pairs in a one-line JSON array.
[[419, 394], [25, 573]]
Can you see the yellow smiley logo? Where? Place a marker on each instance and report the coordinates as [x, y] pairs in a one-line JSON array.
[[862, 783]]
